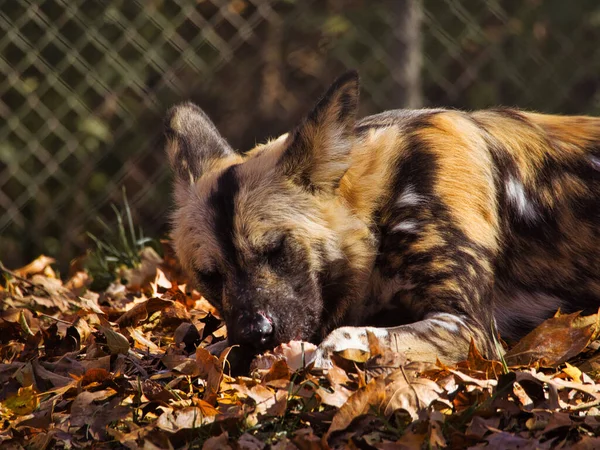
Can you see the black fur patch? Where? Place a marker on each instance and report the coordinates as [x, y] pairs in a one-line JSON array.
[[222, 201]]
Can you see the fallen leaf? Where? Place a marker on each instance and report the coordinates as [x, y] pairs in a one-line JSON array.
[[187, 334], [35, 267], [160, 281], [477, 366], [366, 399], [509, 441], [573, 372], [145, 273], [142, 311], [211, 368], [411, 394], [78, 281], [481, 426], [279, 406], [354, 354], [220, 442], [89, 302], [141, 341], [296, 353], [117, 343], [83, 409], [279, 371], [23, 402], [554, 341], [249, 442]]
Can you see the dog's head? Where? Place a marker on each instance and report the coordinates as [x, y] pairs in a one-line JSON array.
[[260, 232]]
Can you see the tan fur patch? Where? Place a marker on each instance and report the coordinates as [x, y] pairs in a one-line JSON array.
[[465, 179]]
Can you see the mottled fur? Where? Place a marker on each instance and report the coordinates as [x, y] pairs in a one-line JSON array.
[[434, 226]]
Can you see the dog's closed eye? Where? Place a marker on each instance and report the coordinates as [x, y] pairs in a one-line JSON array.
[[275, 250]]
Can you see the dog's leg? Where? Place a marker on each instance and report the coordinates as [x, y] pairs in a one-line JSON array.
[[442, 336]]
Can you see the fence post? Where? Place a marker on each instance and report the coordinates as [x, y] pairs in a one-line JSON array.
[[406, 59]]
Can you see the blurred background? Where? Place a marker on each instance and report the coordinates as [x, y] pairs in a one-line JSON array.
[[84, 86]]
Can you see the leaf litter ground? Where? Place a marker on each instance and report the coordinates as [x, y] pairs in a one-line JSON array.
[[134, 366]]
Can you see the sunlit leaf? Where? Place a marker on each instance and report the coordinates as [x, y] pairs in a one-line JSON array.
[[24, 402], [555, 340], [117, 343]]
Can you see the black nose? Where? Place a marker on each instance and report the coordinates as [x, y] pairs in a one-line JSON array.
[[255, 329]]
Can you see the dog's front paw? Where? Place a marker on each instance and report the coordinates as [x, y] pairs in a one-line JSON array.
[[344, 338], [322, 358]]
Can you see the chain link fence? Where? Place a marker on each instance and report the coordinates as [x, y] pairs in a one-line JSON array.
[[84, 86]]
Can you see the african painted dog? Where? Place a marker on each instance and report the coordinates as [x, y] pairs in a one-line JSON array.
[[428, 227]]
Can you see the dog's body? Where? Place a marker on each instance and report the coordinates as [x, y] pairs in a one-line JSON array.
[[427, 227]]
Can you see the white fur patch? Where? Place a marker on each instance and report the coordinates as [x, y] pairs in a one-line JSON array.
[[409, 197], [406, 226], [450, 322], [595, 162], [515, 192]]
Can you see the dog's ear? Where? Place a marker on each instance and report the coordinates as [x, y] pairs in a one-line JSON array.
[[317, 152], [192, 142]]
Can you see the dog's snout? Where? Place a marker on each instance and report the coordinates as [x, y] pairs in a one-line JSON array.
[[255, 329]]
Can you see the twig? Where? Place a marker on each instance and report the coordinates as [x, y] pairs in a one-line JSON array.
[[585, 405], [14, 275], [24, 280], [54, 318]]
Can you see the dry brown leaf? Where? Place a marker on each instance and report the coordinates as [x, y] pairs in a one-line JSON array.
[[573, 372], [78, 281], [249, 442], [337, 376], [296, 353], [156, 392], [410, 440], [508, 441], [172, 404], [478, 367], [145, 273], [173, 315], [95, 375], [173, 361], [141, 342], [554, 341], [220, 442], [436, 436], [187, 334], [363, 401], [354, 354], [279, 406], [23, 402], [481, 426], [279, 371], [38, 265], [142, 311], [211, 368], [54, 379], [586, 443], [411, 394], [188, 418], [160, 281], [305, 439], [260, 363], [337, 398], [84, 410], [262, 396], [89, 302], [117, 343]]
